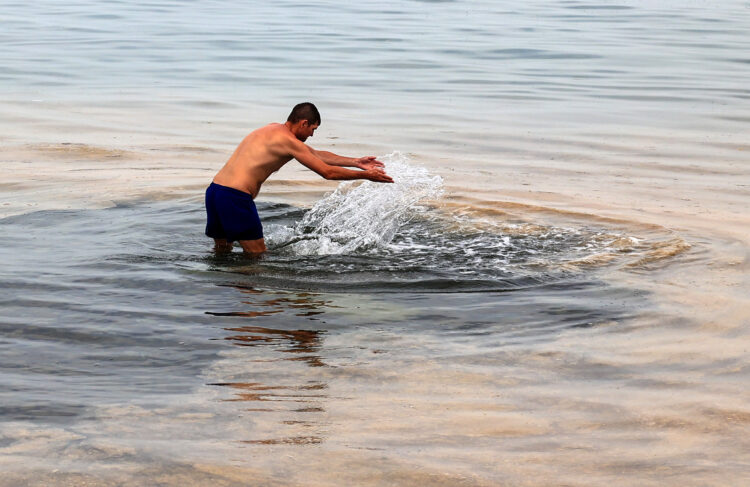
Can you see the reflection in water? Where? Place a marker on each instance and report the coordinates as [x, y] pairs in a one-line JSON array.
[[290, 341], [308, 303], [255, 391], [270, 348], [296, 440]]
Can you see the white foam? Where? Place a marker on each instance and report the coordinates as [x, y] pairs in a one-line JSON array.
[[360, 215]]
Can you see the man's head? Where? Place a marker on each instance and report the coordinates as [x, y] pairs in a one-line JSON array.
[[303, 120]]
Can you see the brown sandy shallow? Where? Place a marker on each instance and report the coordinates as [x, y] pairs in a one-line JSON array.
[[660, 400]]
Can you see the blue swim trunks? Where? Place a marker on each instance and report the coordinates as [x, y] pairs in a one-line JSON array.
[[231, 214]]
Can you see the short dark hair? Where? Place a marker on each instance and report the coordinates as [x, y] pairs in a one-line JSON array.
[[304, 111]]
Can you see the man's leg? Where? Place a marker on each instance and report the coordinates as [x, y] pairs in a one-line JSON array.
[[221, 246], [253, 247]]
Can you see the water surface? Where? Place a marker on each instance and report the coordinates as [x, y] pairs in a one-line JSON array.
[[554, 291]]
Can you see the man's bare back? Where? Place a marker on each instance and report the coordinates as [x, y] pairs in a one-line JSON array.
[[263, 152]]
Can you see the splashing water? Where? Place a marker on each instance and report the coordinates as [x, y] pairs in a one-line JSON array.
[[362, 215], [368, 235]]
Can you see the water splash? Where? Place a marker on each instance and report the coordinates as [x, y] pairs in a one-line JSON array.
[[362, 215], [366, 236]]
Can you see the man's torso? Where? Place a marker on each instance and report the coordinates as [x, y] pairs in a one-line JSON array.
[[260, 154]]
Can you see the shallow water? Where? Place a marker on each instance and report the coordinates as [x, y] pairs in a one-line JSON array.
[[554, 292], [125, 315], [141, 337]]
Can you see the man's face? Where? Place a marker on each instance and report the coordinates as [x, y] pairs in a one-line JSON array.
[[306, 130]]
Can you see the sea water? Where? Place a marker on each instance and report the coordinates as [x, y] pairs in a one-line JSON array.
[[552, 292]]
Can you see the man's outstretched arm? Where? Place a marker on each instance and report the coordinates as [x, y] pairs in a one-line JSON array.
[[305, 155], [367, 162]]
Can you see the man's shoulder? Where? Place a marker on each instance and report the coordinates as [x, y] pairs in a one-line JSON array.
[[274, 131], [275, 137]]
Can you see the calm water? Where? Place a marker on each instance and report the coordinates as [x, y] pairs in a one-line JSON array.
[[444, 330], [395, 70]]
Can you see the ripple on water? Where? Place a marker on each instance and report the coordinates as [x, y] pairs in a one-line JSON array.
[[366, 236], [129, 302], [363, 237]]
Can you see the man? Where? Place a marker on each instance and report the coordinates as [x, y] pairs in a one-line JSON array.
[[230, 208]]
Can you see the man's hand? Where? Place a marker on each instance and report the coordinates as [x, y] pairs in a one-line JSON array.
[[368, 162], [377, 175]]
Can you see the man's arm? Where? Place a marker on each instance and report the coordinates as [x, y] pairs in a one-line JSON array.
[[367, 162], [309, 158]]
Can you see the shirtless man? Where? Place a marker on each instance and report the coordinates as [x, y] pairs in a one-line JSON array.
[[230, 208]]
